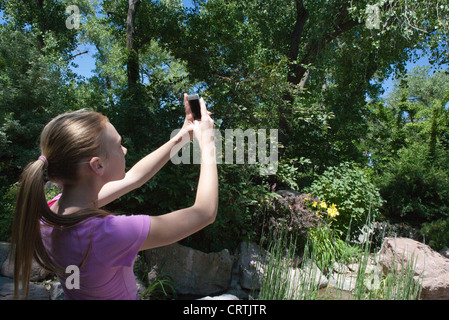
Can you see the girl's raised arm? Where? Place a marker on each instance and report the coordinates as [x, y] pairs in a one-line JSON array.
[[174, 226], [147, 167]]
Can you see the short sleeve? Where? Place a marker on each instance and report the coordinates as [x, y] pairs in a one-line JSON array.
[[52, 201], [117, 239]]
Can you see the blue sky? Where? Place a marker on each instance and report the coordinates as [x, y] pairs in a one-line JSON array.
[[423, 61]]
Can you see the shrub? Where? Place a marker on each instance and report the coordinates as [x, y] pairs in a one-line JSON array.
[[7, 207], [436, 233], [239, 217], [349, 188], [416, 187], [291, 211]]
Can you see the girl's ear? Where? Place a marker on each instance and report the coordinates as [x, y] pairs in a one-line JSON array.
[[96, 165]]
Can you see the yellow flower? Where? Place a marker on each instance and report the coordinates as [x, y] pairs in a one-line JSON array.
[[314, 204], [332, 211], [323, 205]]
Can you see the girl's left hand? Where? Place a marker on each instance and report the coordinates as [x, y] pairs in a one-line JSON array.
[[188, 122]]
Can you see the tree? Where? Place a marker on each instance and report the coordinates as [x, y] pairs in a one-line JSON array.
[[139, 23], [415, 111], [408, 147], [46, 19], [304, 67], [35, 80], [131, 44]]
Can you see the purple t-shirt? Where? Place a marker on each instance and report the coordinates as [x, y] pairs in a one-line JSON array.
[[107, 273]]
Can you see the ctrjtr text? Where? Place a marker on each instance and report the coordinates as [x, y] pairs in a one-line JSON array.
[[232, 309]]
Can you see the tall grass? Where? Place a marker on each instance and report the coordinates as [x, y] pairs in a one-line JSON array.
[[282, 280]]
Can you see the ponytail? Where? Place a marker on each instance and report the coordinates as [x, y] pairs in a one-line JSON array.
[[26, 241]]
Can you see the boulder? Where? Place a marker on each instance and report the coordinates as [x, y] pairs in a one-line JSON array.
[[37, 272], [56, 291], [36, 291], [225, 296], [192, 271], [344, 276], [430, 266], [4, 252], [251, 261], [303, 280]]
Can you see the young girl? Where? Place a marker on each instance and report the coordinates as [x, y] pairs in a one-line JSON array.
[[82, 151]]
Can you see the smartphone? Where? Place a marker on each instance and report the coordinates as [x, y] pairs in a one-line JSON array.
[[194, 102]]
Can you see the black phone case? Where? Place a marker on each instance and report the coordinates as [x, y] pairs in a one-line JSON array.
[[194, 103]]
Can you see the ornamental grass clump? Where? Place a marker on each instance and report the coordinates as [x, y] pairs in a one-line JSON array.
[[282, 279]]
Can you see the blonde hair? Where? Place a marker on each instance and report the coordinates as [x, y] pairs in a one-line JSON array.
[[65, 142]]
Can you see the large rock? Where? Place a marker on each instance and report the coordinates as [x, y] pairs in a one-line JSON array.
[[193, 272], [4, 252], [225, 296], [301, 281], [251, 263], [7, 267], [36, 291], [429, 264]]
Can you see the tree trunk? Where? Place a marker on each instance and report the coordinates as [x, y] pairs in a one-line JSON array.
[[295, 40], [131, 46], [294, 69], [298, 74], [40, 37]]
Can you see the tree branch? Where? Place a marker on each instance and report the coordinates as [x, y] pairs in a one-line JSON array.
[[314, 48], [76, 55]]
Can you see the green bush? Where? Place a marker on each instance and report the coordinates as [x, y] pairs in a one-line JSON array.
[[348, 187], [7, 207], [415, 186], [436, 233]]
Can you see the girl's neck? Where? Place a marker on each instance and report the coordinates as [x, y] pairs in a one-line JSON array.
[[77, 197]]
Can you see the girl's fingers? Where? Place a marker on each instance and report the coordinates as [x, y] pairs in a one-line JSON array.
[[204, 113], [188, 111]]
